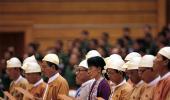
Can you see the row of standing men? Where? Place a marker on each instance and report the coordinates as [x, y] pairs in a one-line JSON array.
[[134, 78]]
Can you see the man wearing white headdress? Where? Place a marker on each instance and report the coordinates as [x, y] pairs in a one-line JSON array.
[[83, 79], [132, 72], [105, 67], [149, 76], [33, 59], [132, 55], [116, 73], [56, 84], [14, 72], [162, 66], [33, 75], [28, 60], [128, 58]]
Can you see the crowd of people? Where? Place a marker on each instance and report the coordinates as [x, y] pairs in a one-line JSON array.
[[130, 69]]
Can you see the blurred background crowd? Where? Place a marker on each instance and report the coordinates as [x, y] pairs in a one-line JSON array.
[[76, 50]]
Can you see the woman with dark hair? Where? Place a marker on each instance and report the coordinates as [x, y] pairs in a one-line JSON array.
[[100, 87]]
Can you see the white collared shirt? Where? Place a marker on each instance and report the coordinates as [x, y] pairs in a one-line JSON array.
[[112, 84], [123, 82], [165, 76], [19, 78], [155, 81], [39, 82], [83, 91], [89, 83], [53, 77], [139, 83], [46, 88], [93, 92]]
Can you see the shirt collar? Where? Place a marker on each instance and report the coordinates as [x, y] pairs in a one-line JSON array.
[[87, 82], [139, 83], [112, 84], [19, 78], [53, 77], [165, 76], [123, 82], [155, 81], [39, 82]]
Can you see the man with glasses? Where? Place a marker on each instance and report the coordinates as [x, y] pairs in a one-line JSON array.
[[83, 79], [122, 89], [149, 76], [56, 84]]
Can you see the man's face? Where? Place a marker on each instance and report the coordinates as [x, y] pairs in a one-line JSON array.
[[114, 76], [146, 29], [133, 75], [32, 77], [158, 63], [12, 72], [146, 74], [93, 72], [73, 59], [47, 70], [81, 75]]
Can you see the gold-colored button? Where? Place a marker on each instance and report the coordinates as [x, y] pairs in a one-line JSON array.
[[146, 95]]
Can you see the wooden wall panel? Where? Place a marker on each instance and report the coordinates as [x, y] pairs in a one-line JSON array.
[[161, 13], [168, 11], [77, 7], [27, 1], [141, 18], [50, 20]]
